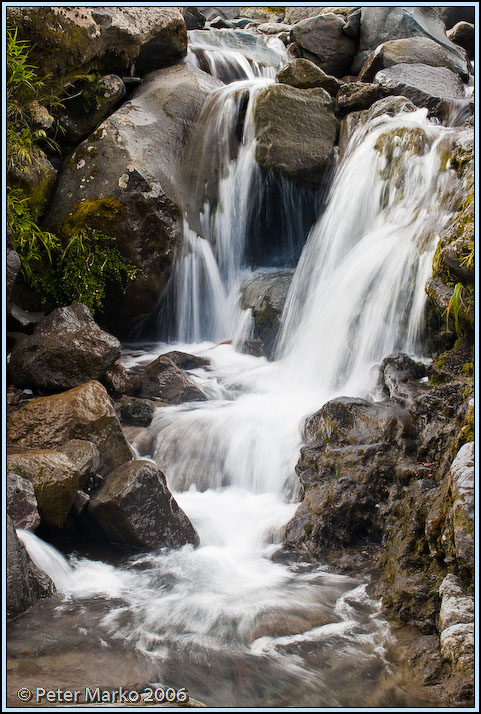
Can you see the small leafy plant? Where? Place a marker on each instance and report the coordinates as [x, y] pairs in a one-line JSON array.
[[59, 268]]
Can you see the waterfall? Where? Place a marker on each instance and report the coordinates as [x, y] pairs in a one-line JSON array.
[[229, 201], [368, 258], [234, 621], [232, 54]]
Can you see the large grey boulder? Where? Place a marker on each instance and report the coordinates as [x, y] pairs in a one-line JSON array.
[[104, 39], [22, 505], [134, 507], [296, 131], [425, 86], [162, 379], [412, 50], [66, 348], [124, 180], [85, 412], [265, 296], [26, 584], [322, 40], [380, 24]]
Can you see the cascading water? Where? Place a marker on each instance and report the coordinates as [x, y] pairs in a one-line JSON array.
[[235, 55], [228, 621]]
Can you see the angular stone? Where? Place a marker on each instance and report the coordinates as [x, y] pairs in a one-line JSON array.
[[164, 380], [26, 584], [135, 411], [381, 24], [461, 483], [412, 50], [266, 295], [84, 412], [456, 607], [21, 502], [55, 481], [295, 130], [425, 86], [322, 37], [304, 74], [80, 117], [66, 348], [354, 96], [135, 507], [184, 360], [84, 455]]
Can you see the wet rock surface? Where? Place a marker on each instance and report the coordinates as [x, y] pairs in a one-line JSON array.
[[66, 349], [423, 85], [284, 146], [124, 181], [163, 380], [266, 295], [84, 412], [106, 39], [304, 74], [134, 507], [412, 50], [21, 502], [322, 40], [381, 24], [26, 584], [55, 481]]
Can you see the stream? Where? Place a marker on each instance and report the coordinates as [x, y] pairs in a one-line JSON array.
[[237, 621]]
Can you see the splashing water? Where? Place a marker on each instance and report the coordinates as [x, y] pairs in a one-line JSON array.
[[228, 621], [230, 55]]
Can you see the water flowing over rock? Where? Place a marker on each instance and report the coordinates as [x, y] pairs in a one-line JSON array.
[[323, 41], [21, 502], [295, 130], [235, 55], [107, 39], [124, 179], [381, 24], [84, 412], [135, 507], [66, 349], [25, 582]]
